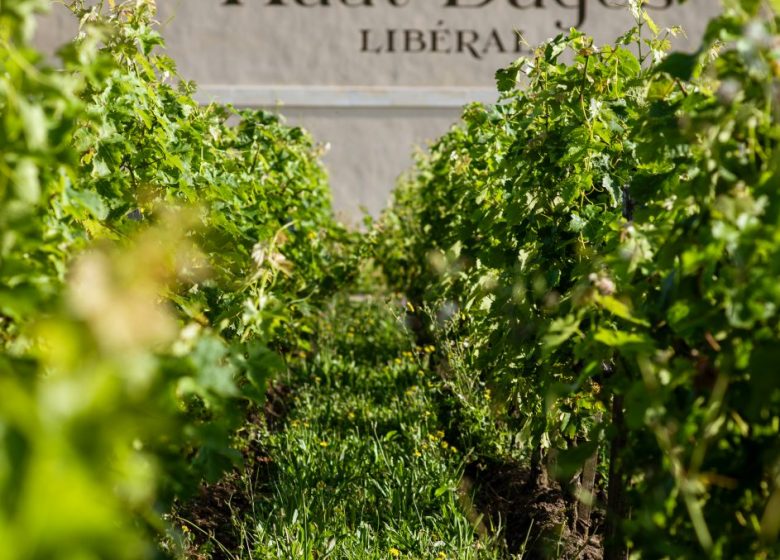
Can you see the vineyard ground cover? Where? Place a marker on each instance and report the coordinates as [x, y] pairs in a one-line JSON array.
[[360, 454], [354, 461]]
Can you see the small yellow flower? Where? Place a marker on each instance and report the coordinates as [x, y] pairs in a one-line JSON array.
[[185, 529], [439, 434], [324, 444], [351, 415], [417, 454], [444, 444], [441, 556], [394, 552]]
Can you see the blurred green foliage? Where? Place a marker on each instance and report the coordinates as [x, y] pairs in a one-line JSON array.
[[157, 258]]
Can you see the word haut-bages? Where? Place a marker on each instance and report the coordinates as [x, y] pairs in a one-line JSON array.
[[578, 6]]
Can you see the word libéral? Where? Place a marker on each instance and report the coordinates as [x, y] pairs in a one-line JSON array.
[[439, 39]]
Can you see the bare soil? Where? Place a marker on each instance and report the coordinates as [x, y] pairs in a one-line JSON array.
[[534, 515]]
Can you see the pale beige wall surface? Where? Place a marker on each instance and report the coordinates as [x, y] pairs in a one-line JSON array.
[[369, 148], [319, 63]]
